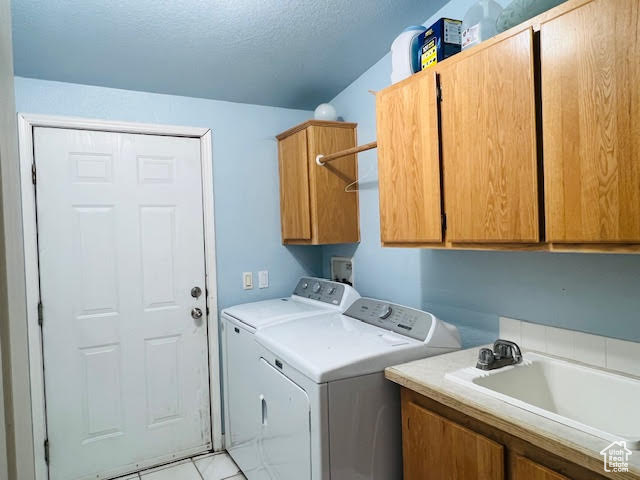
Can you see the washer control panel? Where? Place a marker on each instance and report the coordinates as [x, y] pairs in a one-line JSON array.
[[320, 290], [396, 318]]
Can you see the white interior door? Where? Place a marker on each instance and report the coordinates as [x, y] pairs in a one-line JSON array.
[[120, 235]]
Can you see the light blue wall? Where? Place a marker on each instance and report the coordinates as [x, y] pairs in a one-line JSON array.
[[245, 170], [593, 293]]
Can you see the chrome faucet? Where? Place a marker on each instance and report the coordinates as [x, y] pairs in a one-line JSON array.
[[504, 353]]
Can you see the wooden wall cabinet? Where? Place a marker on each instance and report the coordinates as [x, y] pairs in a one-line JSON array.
[[409, 163], [315, 209], [441, 443], [530, 140], [591, 123], [489, 151], [460, 141]]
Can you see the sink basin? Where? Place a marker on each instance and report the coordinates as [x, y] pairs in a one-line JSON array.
[[597, 402]]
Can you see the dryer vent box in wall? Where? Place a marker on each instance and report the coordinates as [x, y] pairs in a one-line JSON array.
[[342, 270]]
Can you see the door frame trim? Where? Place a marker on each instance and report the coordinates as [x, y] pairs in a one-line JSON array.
[[26, 124]]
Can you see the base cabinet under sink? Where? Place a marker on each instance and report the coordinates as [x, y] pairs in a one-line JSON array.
[[441, 443]]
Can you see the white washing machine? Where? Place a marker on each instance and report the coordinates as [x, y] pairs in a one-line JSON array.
[[240, 357], [326, 410]]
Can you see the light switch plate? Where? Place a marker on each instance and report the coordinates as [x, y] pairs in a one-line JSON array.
[[263, 279], [247, 280]]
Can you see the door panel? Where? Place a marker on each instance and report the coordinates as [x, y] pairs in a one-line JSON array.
[[120, 230], [409, 163], [489, 144], [438, 449], [525, 469], [334, 211], [285, 441], [591, 115], [294, 187]]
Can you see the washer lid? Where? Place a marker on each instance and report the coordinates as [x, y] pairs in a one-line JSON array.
[[311, 296], [266, 312], [333, 346]]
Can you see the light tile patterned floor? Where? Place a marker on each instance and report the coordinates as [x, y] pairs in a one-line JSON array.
[[211, 466]]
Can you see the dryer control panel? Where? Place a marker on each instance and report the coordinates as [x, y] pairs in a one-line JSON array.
[[396, 318], [321, 290]]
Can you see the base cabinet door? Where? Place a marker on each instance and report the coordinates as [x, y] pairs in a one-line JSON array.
[[525, 469], [591, 123], [435, 448]]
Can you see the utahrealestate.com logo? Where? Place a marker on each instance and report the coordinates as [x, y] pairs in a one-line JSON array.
[[616, 457]]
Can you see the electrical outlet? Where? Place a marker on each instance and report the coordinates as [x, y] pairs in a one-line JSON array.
[[247, 280], [263, 279]]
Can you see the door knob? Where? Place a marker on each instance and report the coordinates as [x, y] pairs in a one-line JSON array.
[[196, 292], [196, 313]]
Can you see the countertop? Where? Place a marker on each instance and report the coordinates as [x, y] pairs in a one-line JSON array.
[[427, 377]]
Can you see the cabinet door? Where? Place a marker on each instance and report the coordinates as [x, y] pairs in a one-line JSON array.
[[525, 469], [591, 123], [294, 187], [334, 211], [409, 162], [438, 449], [489, 144]]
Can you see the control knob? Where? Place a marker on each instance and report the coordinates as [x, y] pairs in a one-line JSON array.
[[386, 312], [316, 287]]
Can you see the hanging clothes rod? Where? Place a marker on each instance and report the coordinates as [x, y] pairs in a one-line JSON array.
[[323, 159]]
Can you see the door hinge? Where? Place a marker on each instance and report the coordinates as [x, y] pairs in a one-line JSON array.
[[40, 313], [444, 222], [33, 173], [46, 451]]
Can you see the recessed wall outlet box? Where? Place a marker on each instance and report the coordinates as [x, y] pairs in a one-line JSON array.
[[263, 279], [342, 270], [247, 280]]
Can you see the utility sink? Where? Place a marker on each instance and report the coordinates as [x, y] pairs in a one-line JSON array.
[[597, 402]]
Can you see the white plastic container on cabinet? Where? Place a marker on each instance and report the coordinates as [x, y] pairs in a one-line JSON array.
[[404, 53]]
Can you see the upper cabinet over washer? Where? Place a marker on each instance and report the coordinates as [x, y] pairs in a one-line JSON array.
[[315, 207], [530, 140]]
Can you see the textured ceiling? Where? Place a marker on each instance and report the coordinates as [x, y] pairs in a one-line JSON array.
[[272, 52]]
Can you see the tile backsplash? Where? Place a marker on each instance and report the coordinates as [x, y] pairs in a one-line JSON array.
[[600, 351]]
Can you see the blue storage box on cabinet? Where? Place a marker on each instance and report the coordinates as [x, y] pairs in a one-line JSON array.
[[442, 40]]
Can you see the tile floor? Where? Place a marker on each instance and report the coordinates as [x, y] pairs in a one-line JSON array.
[[211, 466]]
